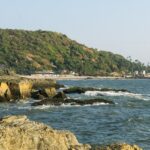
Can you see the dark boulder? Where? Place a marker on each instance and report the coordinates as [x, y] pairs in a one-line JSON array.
[[43, 93], [89, 101], [58, 86], [80, 90], [115, 90], [58, 102], [60, 95], [37, 95]]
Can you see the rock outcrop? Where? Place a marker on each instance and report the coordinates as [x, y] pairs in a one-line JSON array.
[[60, 98], [12, 91], [19, 133], [80, 90], [21, 90], [44, 93], [5, 94]]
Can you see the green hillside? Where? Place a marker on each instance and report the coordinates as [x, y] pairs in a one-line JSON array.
[[30, 51]]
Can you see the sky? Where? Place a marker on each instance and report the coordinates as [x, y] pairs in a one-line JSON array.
[[119, 26]]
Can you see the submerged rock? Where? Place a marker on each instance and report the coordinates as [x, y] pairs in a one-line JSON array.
[[115, 90], [60, 101], [60, 98], [80, 90], [19, 133]]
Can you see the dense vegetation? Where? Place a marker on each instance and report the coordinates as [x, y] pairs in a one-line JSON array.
[[30, 51]]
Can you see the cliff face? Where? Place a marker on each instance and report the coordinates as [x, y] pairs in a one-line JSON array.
[[22, 89], [13, 91], [19, 133]]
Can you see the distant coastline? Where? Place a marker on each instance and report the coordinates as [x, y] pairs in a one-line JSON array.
[[71, 77]]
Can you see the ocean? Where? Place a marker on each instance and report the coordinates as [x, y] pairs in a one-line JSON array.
[[128, 120]]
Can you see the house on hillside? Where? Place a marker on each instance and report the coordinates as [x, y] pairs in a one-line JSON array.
[[140, 73]]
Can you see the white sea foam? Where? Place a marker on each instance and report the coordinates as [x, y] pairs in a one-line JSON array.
[[86, 105], [97, 104], [35, 107], [68, 105], [113, 93], [43, 107]]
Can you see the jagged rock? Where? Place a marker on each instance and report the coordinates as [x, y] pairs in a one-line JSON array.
[[58, 86], [13, 91], [37, 95], [25, 89], [122, 146], [43, 93], [49, 92], [60, 95], [19, 133], [21, 90], [58, 102], [80, 90], [5, 94]]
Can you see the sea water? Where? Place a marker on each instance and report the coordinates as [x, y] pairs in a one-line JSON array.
[[128, 120]]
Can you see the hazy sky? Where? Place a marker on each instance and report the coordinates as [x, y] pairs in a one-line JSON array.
[[120, 26]]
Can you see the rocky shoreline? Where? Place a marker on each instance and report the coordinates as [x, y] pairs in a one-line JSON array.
[[37, 136], [19, 133], [47, 92]]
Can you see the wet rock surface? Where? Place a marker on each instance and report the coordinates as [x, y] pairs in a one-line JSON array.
[[46, 90], [80, 90], [12, 91], [43, 93], [61, 98]]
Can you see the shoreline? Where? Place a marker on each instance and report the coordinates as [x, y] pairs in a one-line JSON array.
[[65, 77], [70, 77]]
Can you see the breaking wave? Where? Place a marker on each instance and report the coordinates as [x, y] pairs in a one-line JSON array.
[[94, 104], [113, 93], [41, 107]]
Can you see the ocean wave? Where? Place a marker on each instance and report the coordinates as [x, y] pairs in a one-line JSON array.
[[113, 93], [94, 104], [41, 107], [35, 107]]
